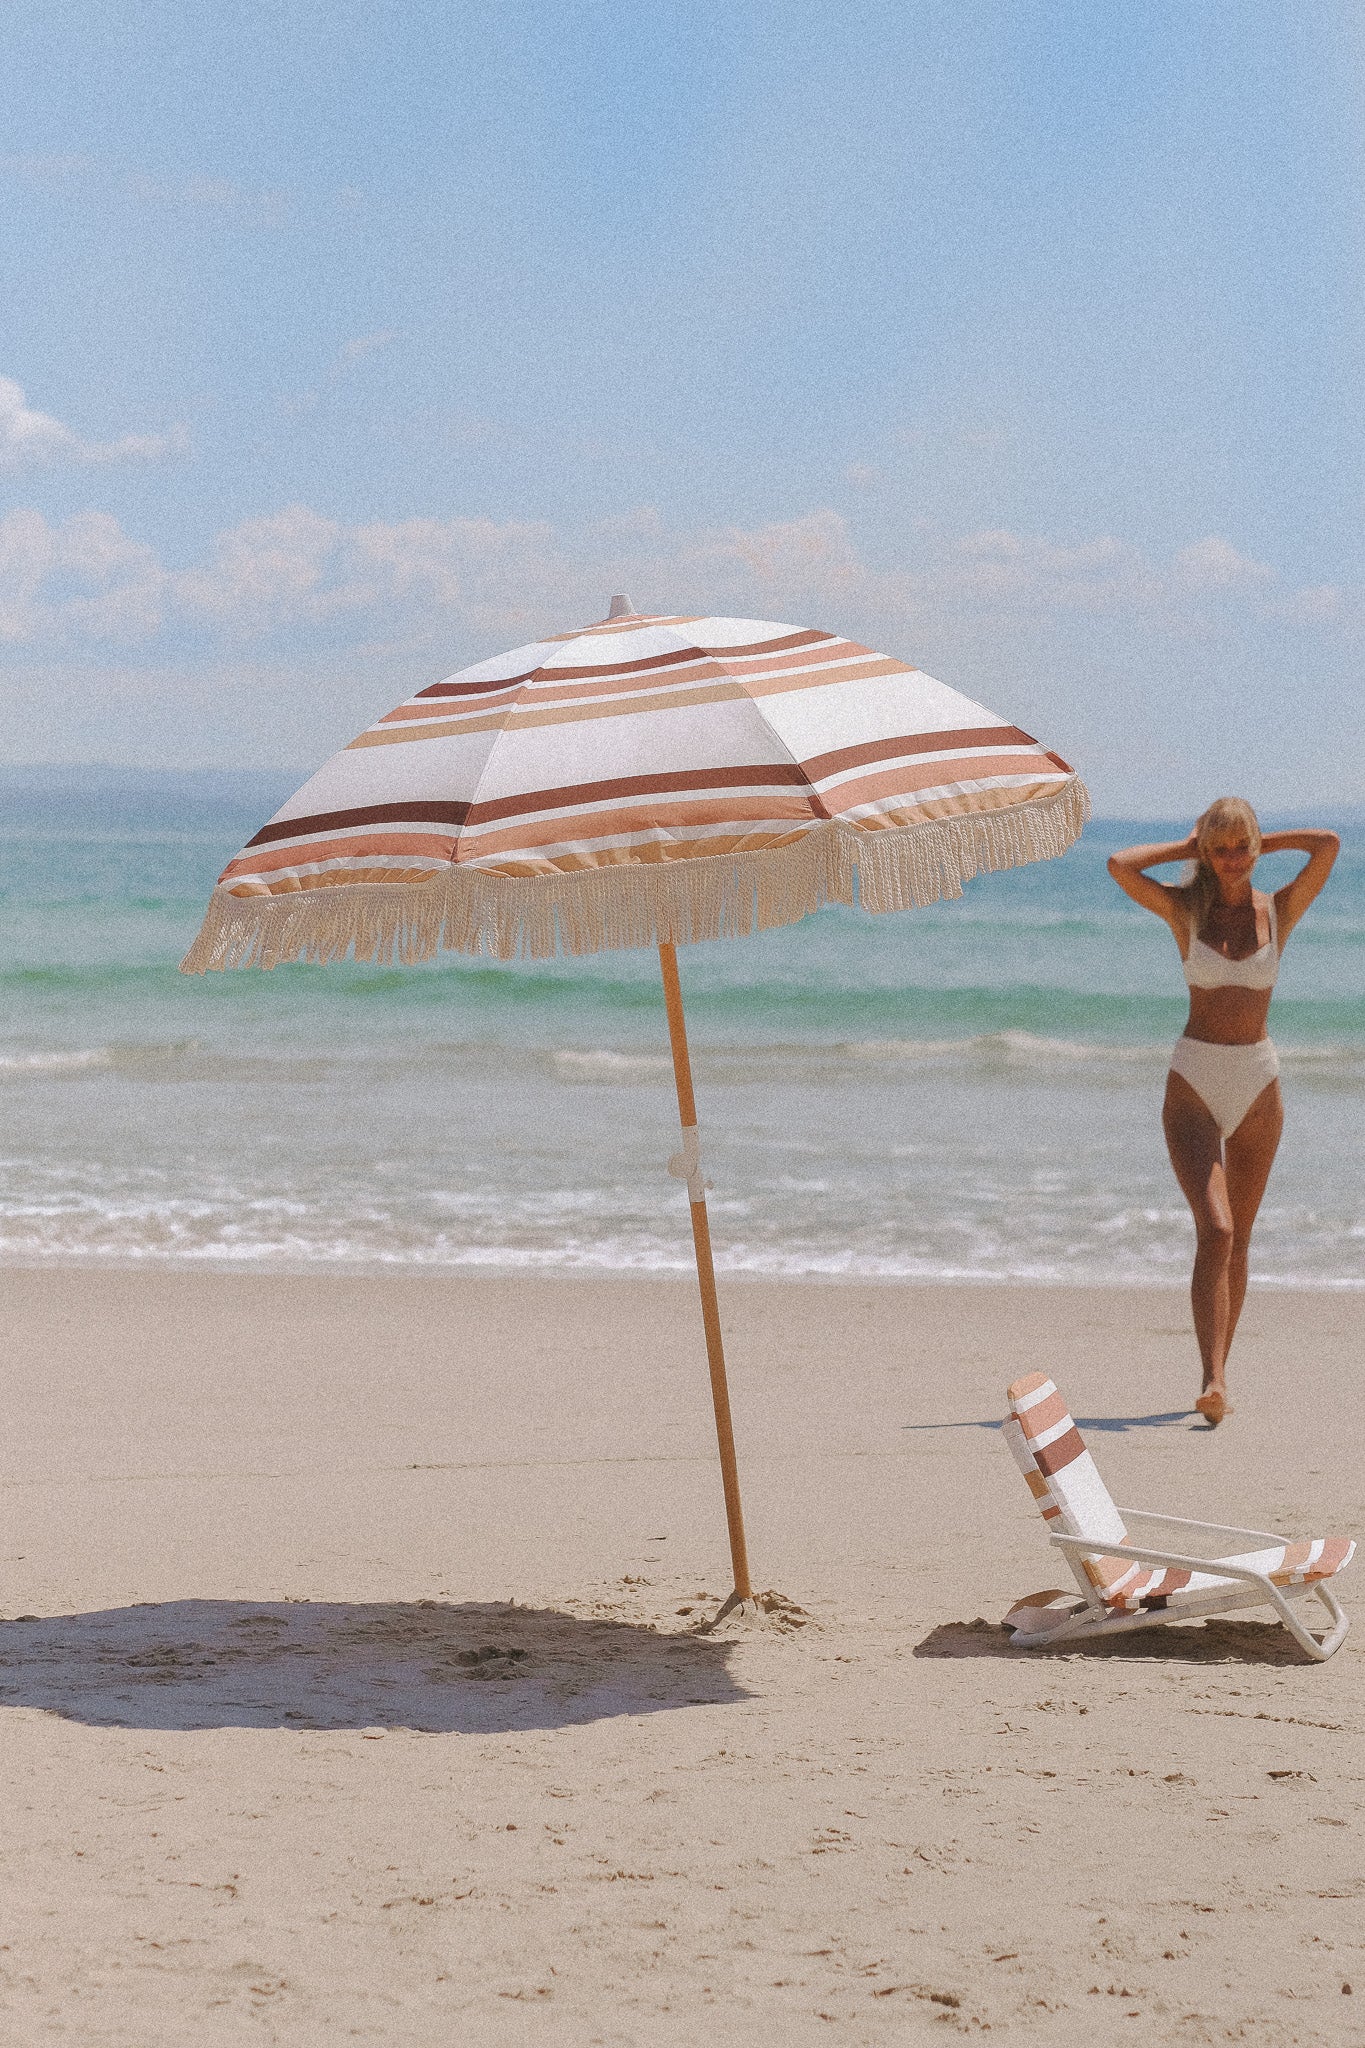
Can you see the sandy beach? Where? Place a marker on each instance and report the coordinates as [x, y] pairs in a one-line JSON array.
[[349, 1692]]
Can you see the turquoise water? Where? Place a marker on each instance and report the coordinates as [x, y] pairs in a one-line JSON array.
[[971, 1090]]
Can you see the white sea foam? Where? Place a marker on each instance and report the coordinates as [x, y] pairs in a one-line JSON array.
[[56, 1060], [972, 1093]]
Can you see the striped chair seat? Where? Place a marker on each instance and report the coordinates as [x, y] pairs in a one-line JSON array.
[[1061, 1475]]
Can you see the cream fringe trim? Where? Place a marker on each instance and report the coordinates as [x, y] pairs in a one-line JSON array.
[[467, 910]]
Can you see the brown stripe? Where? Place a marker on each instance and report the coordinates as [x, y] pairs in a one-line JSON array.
[[808, 638], [586, 830], [693, 667], [678, 654], [888, 786], [472, 689], [772, 775], [653, 694], [366, 847], [1054, 1457], [517, 717], [821, 765], [632, 623], [428, 813]]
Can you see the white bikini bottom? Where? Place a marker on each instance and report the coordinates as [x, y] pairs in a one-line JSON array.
[[1226, 1078]]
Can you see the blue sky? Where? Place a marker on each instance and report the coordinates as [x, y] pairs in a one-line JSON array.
[[346, 344]]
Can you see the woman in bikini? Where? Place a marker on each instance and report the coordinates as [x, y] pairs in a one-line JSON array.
[[1223, 1113]]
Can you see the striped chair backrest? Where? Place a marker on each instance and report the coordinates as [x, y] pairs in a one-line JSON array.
[[1050, 1452]]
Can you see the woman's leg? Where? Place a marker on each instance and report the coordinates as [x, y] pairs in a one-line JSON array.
[[1196, 1148], [1250, 1154]]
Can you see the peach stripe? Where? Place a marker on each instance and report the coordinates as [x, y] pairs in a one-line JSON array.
[[1043, 1415], [583, 827], [647, 853], [837, 672], [289, 885], [1019, 1390], [940, 774], [284, 855], [569, 714], [448, 726]]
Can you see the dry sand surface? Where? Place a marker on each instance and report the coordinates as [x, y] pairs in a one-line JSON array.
[[357, 1699]]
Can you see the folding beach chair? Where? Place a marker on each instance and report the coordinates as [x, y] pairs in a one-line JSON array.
[[1127, 1585]]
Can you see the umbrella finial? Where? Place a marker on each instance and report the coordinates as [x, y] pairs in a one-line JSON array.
[[621, 608]]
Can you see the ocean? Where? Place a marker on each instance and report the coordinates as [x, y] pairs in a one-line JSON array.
[[968, 1092]]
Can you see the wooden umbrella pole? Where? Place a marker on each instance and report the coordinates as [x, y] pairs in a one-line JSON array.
[[687, 1166]]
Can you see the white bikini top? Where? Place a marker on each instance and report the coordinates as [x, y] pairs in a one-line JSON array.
[[1205, 967]]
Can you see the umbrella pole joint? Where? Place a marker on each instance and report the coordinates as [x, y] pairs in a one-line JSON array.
[[686, 1165]]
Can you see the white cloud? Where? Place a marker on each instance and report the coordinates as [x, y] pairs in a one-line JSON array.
[[1214, 564], [235, 204], [84, 579], [1313, 604], [493, 581], [31, 440], [223, 198], [366, 345], [267, 572]]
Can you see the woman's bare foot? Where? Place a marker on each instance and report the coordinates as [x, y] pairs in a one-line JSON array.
[[1213, 1406]]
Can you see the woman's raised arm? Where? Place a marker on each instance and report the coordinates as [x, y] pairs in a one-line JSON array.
[[1127, 868], [1322, 849]]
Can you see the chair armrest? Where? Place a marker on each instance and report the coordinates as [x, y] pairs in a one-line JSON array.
[[1140, 1553], [1211, 1528]]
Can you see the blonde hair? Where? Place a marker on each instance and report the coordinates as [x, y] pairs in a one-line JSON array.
[[1225, 816]]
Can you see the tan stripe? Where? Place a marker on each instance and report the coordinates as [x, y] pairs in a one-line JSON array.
[[543, 687], [291, 885], [812, 657], [644, 853], [440, 707], [815, 679], [634, 624], [891, 817], [720, 692], [519, 721], [439, 845], [585, 827], [911, 776]]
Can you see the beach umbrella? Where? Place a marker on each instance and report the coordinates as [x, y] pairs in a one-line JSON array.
[[643, 781]]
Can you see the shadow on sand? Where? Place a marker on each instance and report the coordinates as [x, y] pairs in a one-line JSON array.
[[1112, 1425], [475, 1668], [1188, 1642]]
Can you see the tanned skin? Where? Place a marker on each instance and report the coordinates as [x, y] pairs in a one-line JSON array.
[[1223, 1181]]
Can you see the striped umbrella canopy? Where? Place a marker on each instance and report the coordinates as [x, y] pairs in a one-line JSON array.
[[646, 780]]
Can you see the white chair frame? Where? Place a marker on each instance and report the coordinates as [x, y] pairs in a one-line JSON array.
[[1095, 1619]]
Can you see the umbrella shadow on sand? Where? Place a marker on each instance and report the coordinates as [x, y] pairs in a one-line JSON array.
[[471, 1668], [1194, 1642]]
